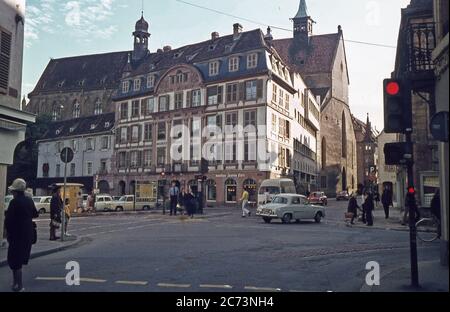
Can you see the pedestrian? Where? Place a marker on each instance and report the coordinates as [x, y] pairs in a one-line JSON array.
[[353, 207], [90, 202], [68, 215], [244, 200], [368, 208], [20, 231], [376, 198], [181, 201], [56, 206], [360, 204], [174, 192], [386, 200], [190, 202]]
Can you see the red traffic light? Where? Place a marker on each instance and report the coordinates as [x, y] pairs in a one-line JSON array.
[[411, 190], [393, 88]]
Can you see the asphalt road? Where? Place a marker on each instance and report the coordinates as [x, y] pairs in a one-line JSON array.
[[152, 252]]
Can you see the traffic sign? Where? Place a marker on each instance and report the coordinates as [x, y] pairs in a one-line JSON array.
[[439, 126], [67, 155]]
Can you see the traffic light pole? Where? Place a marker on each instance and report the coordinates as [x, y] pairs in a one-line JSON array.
[[412, 219]]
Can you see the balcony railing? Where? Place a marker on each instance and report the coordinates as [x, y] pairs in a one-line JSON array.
[[421, 41]]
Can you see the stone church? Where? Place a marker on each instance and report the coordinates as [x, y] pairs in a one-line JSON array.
[[321, 60]]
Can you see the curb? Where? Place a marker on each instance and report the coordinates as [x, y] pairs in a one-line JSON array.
[[47, 252]]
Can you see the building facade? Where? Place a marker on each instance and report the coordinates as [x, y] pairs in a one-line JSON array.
[[91, 139], [321, 61], [230, 100], [13, 120], [440, 59]]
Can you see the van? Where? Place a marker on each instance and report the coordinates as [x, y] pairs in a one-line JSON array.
[[269, 188], [103, 203], [126, 203]]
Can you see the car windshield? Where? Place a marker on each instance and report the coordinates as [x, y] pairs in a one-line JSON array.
[[123, 198], [37, 199], [269, 189], [280, 200]]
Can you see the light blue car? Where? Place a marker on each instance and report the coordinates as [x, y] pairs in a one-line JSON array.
[[288, 207]]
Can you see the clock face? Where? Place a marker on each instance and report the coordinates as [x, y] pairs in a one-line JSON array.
[[303, 28]]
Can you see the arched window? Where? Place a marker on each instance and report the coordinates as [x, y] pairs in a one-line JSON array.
[[250, 186], [324, 152], [344, 136], [98, 107], [230, 191], [211, 190], [76, 109], [56, 111]]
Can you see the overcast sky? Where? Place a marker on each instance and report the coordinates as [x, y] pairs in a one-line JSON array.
[[59, 28]]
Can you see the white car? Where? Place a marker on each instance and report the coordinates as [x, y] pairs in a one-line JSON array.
[[126, 203], [103, 203], [288, 207], [42, 203], [8, 198]]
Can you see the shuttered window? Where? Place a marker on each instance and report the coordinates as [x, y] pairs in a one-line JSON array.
[[5, 58]]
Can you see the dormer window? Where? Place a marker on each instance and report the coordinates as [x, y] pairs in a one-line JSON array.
[[98, 107], [252, 60], [150, 81], [58, 131], [137, 84], [125, 86], [72, 129], [107, 124], [93, 126], [233, 64], [214, 68]]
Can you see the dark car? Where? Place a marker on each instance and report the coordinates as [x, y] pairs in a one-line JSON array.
[[342, 196]]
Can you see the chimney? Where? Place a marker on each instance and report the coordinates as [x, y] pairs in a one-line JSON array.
[[237, 29], [159, 51], [214, 36], [339, 29], [167, 48]]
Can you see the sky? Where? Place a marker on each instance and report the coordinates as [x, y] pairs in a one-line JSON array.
[[61, 28]]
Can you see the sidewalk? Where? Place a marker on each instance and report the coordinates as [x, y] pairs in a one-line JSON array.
[[380, 222], [433, 277], [42, 248]]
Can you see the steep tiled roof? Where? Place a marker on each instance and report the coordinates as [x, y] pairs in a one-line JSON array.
[[87, 72], [317, 58], [80, 126]]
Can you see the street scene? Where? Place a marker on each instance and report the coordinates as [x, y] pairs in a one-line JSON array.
[[200, 146]]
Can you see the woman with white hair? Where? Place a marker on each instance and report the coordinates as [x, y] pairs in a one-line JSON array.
[[20, 231]]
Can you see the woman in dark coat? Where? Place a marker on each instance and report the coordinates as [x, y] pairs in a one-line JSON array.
[[19, 231], [368, 207], [189, 202], [56, 207], [353, 207]]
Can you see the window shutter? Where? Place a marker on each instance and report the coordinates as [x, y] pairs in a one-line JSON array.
[[259, 88], [219, 94], [242, 91], [140, 133], [5, 55], [189, 99], [288, 129]]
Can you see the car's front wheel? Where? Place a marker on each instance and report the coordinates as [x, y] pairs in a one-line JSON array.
[[119, 209], [287, 218], [42, 211], [318, 217], [267, 220]]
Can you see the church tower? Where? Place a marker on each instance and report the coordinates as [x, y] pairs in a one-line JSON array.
[[141, 37], [303, 25]]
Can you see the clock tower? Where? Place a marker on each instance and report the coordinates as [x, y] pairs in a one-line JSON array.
[[303, 25]]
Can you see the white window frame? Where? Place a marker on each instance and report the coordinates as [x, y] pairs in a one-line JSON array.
[[252, 60], [233, 64], [134, 159], [137, 84], [196, 98], [125, 86], [98, 109], [89, 168], [103, 140], [214, 68], [251, 90], [150, 81], [150, 106], [90, 147], [147, 158]]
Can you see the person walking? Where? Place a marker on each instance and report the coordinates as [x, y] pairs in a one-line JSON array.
[[386, 200], [56, 206], [68, 215], [368, 208], [189, 202], [353, 207], [244, 200], [20, 231], [174, 192]]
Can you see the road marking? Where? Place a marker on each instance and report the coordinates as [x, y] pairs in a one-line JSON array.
[[50, 278], [262, 288], [216, 286], [174, 285], [136, 283], [92, 280]]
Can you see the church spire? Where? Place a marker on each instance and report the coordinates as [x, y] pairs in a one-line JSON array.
[[302, 10], [303, 25]]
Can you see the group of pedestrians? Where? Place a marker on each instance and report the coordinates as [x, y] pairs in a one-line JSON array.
[[180, 199]]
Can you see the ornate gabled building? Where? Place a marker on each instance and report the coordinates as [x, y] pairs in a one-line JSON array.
[[321, 61]]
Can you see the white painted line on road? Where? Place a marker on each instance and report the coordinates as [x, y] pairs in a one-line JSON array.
[[136, 283], [92, 280], [174, 285], [50, 278], [262, 288], [216, 286]]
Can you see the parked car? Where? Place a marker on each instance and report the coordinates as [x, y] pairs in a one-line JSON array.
[[126, 203], [8, 198], [318, 198], [270, 188], [116, 198], [85, 197], [42, 203], [104, 203], [342, 196], [288, 207]]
